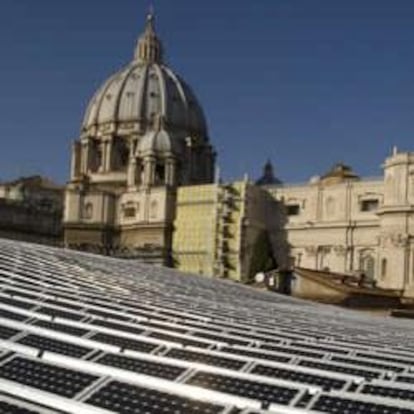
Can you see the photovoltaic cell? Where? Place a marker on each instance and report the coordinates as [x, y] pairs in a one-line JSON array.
[[46, 377], [54, 345], [266, 393], [342, 405], [130, 399], [208, 359], [165, 371], [125, 343]]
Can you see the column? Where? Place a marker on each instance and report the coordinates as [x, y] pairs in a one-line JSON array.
[[75, 161], [170, 171], [108, 154], [132, 171], [84, 157], [101, 159], [149, 171]]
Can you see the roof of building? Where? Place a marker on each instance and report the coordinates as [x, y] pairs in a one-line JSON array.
[[338, 173], [356, 288], [34, 181], [144, 90], [88, 334]]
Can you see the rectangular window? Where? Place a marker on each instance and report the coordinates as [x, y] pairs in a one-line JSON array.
[[129, 212], [293, 210], [369, 205]]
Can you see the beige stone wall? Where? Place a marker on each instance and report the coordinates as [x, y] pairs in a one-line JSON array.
[[150, 206], [331, 230], [92, 207], [334, 229]]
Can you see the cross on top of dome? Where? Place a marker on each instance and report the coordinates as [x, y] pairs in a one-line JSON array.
[[149, 47]]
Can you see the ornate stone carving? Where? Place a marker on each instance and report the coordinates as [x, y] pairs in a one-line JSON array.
[[311, 250], [398, 240], [340, 250]]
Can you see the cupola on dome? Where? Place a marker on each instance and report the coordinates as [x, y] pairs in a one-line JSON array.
[[143, 91]]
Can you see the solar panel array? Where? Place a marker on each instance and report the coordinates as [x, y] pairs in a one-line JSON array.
[[87, 334]]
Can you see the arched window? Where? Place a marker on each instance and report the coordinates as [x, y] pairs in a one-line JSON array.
[[87, 212], [160, 174], [154, 209], [96, 156], [122, 154], [383, 268], [330, 206], [367, 263]]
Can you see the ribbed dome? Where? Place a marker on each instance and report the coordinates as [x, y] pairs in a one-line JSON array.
[[157, 142], [144, 90]]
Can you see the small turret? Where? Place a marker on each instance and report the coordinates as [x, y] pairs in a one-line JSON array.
[[268, 177]]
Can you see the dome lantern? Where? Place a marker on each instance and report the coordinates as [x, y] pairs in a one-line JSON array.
[[149, 47]]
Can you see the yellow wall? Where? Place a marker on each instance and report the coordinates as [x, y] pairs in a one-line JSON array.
[[209, 236], [194, 229], [204, 232]]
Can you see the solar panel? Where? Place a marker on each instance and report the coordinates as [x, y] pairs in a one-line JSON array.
[[255, 349], [166, 371], [202, 358], [405, 378], [6, 333], [340, 368], [266, 393], [336, 405], [255, 353], [60, 327], [125, 343], [59, 313], [46, 377], [392, 392], [127, 399], [366, 363], [117, 326], [9, 408], [181, 340], [12, 315], [53, 345], [325, 383]]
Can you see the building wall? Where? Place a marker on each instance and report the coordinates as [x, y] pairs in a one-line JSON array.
[[216, 227], [335, 225], [330, 229], [194, 239], [31, 210]]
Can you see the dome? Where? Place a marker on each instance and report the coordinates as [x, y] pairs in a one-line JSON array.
[[144, 90], [156, 142], [268, 177]]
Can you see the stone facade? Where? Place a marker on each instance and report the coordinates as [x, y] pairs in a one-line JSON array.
[[31, 210], [346, 224]]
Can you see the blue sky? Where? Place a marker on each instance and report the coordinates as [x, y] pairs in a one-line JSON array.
[[305, 83]]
